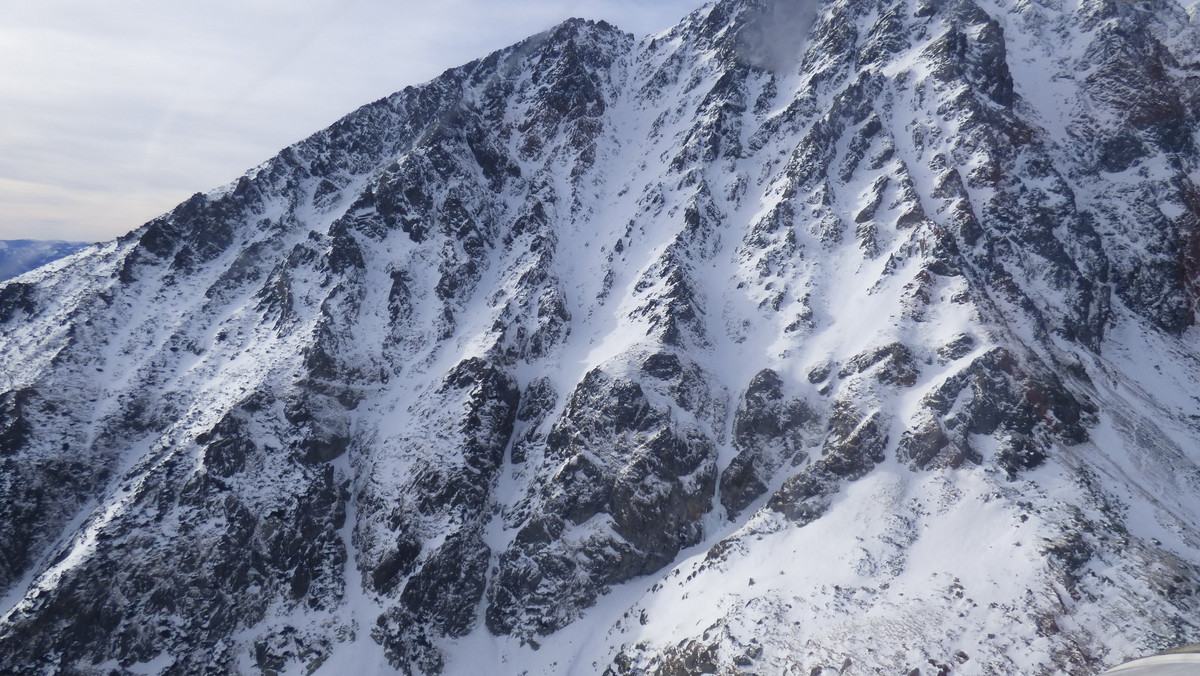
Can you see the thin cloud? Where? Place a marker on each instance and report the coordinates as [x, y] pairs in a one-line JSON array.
[[114, 112]]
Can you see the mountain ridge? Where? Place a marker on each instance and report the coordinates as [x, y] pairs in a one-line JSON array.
[[524, 365], [18, 256]]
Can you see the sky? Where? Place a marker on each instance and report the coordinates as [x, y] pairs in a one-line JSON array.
[[113, 112]]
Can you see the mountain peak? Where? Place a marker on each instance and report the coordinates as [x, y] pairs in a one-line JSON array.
[[766, 343]]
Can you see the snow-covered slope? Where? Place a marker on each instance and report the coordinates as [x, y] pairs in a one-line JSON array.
[[852, 337], [18, 256]]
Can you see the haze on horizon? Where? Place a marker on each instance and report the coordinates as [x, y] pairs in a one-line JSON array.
[[115, 112]]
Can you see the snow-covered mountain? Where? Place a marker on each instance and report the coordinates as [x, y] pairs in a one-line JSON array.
[[18, 256], [842, 338]]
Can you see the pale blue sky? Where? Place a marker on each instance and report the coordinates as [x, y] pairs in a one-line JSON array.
[[113, 112]]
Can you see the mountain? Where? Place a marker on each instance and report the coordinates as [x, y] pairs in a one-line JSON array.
[[18, 256], [840, 338]]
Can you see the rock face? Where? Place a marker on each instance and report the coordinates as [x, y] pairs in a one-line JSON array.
[[844, 336]]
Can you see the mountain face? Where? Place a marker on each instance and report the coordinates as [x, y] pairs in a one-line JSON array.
[[18, 256], [838, 338]]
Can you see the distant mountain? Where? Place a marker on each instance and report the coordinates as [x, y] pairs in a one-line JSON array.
[[843, 338], [18, 256]]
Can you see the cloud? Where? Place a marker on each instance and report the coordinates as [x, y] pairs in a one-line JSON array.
[[776, 34], [116, 111]]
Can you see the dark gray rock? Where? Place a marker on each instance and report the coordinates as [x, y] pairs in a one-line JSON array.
[[442, 597], [619, 461], [1027, 404], [854, 443], [893, 364], [767, 431], [17, 300]]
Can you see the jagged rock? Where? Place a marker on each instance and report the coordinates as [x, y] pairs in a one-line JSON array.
[[894, 365], [994, 393], [16, 297], [853, 445], [767, 431], [15, 427], [629, 478], [962, 345]]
